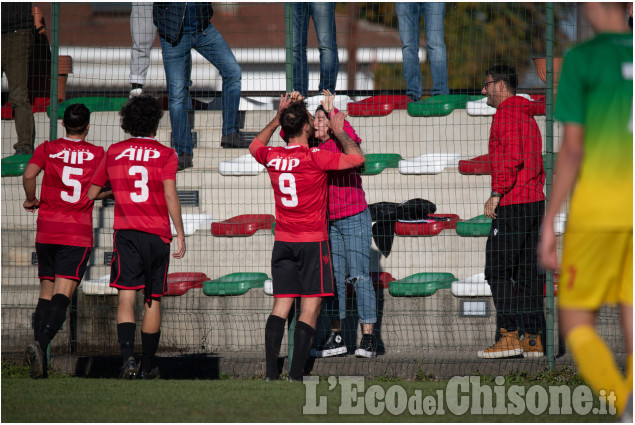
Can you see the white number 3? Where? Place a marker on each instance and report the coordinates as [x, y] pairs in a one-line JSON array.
[[141, 184], [288, 190]]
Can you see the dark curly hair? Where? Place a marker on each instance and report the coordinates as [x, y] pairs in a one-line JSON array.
[[140, 117], [293, 119], [76, 118]]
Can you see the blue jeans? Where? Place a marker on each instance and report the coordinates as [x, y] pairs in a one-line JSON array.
[[350, 246], [177, 62], [409, 16], [323, 15]]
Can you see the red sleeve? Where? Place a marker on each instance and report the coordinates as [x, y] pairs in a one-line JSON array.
[[39, 156], [256, 150], [336, 161], [101, 176], [508, 157], [170, 168]]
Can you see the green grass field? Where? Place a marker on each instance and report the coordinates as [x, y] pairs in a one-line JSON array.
[[68, 399]]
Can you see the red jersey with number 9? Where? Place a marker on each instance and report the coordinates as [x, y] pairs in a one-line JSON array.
[[136, 169], [65, 216], [299, 180]]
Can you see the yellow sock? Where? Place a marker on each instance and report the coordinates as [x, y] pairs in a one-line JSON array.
[[596, 364]]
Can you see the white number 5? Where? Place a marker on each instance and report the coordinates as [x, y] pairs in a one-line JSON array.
[[70, 182], [288, 190], [141, 184]]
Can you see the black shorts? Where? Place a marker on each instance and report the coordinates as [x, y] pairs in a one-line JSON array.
[[140, 261], [65, 261], [302, 269]]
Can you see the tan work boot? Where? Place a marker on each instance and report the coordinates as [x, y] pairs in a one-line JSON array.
[[531, 345], [507, 346]]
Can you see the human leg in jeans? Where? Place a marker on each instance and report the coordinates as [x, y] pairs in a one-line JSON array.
[[437, 55], [177, 64], [212, 46], [300, 33], [16, 51], [409, 15], [323, 15]]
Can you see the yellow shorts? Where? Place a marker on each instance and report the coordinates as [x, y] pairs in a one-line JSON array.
[[597, 268]]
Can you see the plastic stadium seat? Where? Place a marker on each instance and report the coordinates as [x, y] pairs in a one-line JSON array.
[[193, 222], [421, 284], [375, 106], [556, 281], [14, 165], [39, 105], [438, 106], [473, 286], [340, 102], [268, 287], [375, 163], [433, 163], [234, 284], [381, 279], [245, 165], [94, 104], [481, 108], [180, 283], [476, 226], [560, 223], [477, 166], [430, 226], [242, 225], [99, 286]]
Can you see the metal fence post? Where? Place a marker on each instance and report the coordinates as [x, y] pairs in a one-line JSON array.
[[55, 32]]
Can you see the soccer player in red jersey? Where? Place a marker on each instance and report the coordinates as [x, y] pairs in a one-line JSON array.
[[64, 239], [142, 173], [301, 257]]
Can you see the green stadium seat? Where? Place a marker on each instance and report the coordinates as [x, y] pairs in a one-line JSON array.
[[93, 103], [438, 106], [475, 226], [421, 284], [376, 163], [14, 165], [234, 284]]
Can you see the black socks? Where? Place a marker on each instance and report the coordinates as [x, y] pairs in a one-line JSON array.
[[274, 331], [126, 335], [302, 340], [52, 320], [38, 316], [149, 346]]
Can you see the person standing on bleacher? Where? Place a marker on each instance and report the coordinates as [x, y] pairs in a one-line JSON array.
[[301, 258], [17, 44], [143, 33], [516, 206]]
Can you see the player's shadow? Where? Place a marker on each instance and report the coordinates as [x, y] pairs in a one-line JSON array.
[[173, 367]]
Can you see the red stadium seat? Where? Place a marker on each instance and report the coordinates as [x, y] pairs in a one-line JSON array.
[[432, 226], [180, 283], [378, 105], [39, 105], [478, 166], [243, 225], [381, 280]]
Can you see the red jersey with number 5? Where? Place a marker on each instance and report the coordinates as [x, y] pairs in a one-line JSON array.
[[136, 169], [299, 180], [65, 216]]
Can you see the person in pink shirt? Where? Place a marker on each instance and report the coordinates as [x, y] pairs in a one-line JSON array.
[[350, 233]]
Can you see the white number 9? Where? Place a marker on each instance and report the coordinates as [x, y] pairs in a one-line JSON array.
[[288, 189]]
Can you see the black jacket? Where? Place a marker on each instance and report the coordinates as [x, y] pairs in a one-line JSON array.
[[169, 17], [16, 16]]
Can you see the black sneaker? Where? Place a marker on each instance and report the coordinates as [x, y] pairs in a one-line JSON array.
[[234, 141], [36, 359], [129, 369], [151, 374], [333, 345], [185, 161], [367, 347]]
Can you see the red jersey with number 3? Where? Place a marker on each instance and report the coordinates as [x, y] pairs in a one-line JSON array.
[[299, 180], [136, 169], [65, 216]]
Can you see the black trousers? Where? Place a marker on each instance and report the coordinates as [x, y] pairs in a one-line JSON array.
[[511, 268]]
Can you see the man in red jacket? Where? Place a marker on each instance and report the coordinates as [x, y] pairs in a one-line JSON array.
[[516, 206]]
